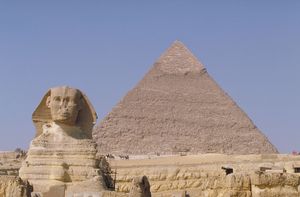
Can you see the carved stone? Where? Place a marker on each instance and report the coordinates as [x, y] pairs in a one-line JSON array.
[[62, 156], [140, 187]]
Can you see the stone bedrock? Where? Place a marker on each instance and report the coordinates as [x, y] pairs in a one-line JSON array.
[[202, 175], [196, 175]]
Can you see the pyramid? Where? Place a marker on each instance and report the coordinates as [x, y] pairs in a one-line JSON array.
[[177, 107]]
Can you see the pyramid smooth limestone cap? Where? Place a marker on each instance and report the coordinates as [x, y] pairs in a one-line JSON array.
[[178, 59]]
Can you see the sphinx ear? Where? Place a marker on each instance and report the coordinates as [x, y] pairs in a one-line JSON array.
[[81, 103], [48, 101]]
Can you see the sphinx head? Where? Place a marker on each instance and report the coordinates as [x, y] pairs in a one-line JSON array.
[[64, 104]]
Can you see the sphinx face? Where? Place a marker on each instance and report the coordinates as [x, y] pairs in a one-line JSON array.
[[64, 104]]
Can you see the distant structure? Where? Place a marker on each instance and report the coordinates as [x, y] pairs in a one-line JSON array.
[[178, 108]]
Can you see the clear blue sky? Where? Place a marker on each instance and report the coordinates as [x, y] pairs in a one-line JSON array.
[[251, 48]]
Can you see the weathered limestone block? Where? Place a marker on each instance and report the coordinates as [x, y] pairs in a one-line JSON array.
[[263, 180], [36, 194], [13, 187], [274, 184], [238, 182], [84, 194], [200, 193], [168, 181], [62, 158], [49, 190], [140, 187], [113, 194]]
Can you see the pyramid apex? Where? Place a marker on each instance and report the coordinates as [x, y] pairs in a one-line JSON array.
[[179, 59], [178, 42]]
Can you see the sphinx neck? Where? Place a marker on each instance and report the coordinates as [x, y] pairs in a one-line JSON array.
[[70, 130], [64, 127]]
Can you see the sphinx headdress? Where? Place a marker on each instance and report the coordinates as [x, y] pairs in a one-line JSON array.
[[86, 118]]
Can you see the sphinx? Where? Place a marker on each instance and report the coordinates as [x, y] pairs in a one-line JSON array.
[[62, 157]]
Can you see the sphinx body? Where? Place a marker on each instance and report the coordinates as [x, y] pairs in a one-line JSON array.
[[62, 157]]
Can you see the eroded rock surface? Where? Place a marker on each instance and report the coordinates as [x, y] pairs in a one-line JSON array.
[[275, 184], [62, 157], [202, 175], [11, 186], [140, 187]]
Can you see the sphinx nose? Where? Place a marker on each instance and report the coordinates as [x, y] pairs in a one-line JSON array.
[[63, 104]]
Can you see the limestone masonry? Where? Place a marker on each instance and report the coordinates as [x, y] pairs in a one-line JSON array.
[[177, 107]]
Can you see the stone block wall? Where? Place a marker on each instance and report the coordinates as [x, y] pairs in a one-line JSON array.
[[168, 183], [197, 176]]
